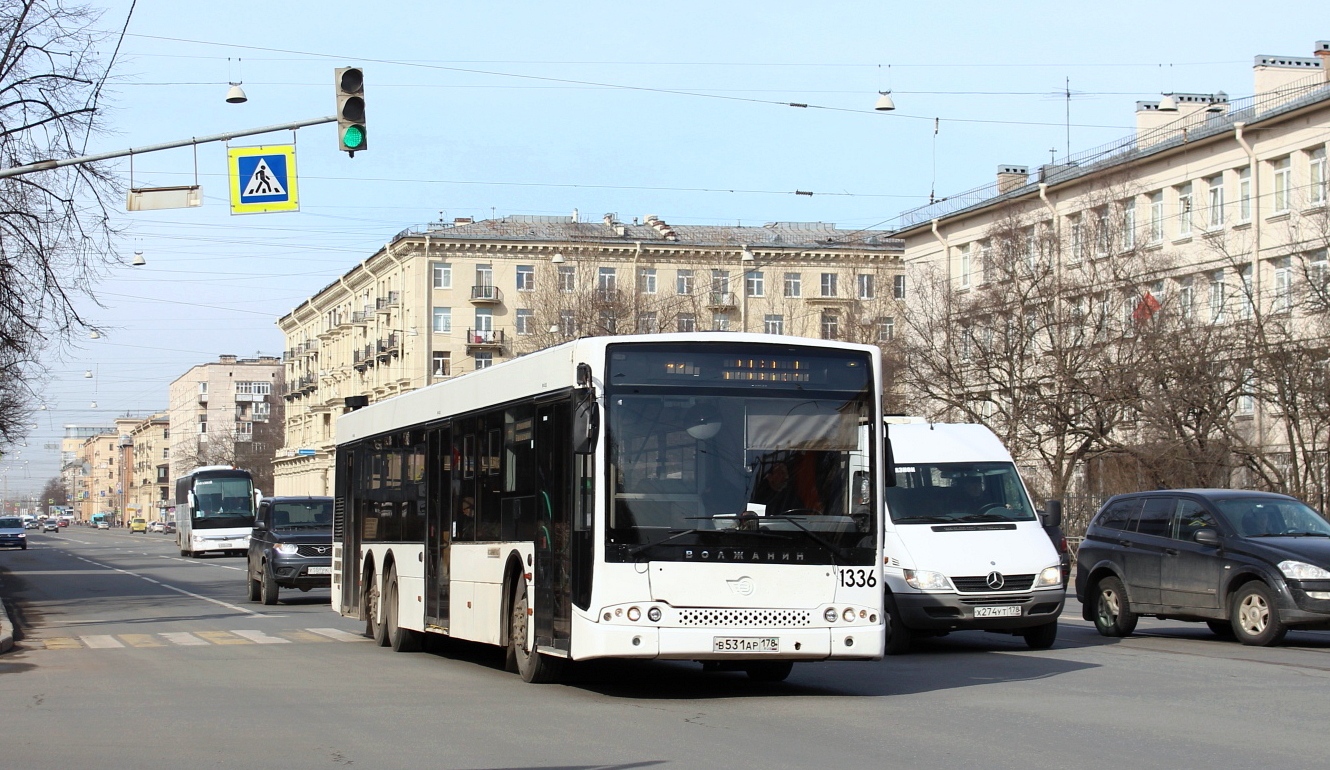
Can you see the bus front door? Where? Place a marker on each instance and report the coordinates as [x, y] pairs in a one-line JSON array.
[[553, 609]]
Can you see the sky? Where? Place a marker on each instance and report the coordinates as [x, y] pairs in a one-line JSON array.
[[489, 109]]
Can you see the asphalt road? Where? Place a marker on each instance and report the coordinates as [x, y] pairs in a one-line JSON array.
[[128, 656]]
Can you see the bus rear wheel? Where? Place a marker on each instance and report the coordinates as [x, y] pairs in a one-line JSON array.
[[401, 639], [531, 665], [373, 624]]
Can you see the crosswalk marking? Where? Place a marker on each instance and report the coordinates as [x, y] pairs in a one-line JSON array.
[[337, 634], [198, 639], [140, 640], [258, 637], [183, 639], [101, 641]]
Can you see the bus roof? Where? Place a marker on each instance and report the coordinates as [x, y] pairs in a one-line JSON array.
[[544, 371]]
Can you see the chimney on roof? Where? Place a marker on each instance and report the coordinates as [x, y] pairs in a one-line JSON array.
[[462, 221], [1273, 73], [226, 359], [1322, 52], [609, 219], [661, 227], [575, 216], [1012, 177]]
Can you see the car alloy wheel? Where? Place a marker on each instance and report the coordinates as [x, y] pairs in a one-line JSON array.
[[1253, 614]]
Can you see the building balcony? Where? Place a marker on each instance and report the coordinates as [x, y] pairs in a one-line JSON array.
[[607, 296], [360, 318], [484, 339], [825, 300], [358, 361], [721, 300], [485, 294]]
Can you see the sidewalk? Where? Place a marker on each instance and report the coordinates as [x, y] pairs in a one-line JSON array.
[[6, 628]]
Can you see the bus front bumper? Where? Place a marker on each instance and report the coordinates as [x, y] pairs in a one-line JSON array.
[[613, 640]]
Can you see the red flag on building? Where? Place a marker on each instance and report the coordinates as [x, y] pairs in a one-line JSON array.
[[1145, 309]]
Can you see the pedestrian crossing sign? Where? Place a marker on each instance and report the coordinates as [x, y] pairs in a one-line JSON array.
[[263, 179]]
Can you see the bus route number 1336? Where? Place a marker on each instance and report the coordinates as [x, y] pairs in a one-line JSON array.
[[858, 578]]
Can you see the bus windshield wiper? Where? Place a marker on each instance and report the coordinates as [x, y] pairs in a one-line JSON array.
[[663, 541], [811, 535]]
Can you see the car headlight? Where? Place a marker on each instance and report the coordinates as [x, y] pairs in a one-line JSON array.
[[286, 549], [198, 538], [926, 580], [1050, 576], [1301, 570]]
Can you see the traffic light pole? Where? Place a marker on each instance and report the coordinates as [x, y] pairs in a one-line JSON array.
[[47, 165]]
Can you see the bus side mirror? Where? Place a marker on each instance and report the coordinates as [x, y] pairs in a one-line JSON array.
[[586, 424], [1053, 513]]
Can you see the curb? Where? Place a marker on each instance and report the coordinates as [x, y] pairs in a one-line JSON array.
[[6, 630]]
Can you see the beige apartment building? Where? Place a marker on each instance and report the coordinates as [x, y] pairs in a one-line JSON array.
[[147, 493], [100, 476], [226, 412], [450, 299], [74, 473], [1227, 196]]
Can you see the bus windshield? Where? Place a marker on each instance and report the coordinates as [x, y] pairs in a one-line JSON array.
[[729, 460], [223, 502], [958, 492]]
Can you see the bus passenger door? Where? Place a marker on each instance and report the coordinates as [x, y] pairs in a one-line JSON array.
[[438, 525], [553, 600]]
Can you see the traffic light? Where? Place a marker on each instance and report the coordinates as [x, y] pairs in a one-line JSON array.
[[350, 109]]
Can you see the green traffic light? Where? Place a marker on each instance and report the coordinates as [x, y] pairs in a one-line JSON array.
[[354, 138]]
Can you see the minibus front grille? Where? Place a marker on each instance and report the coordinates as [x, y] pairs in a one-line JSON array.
[[980, 584]]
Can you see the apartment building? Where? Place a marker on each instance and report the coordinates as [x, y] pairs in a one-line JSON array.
[[1224, 199], [226, 412], [148, 493], [100, 476], [449, 299], [73, 471]]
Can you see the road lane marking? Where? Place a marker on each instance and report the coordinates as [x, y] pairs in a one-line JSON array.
[[198, 563], [258, 637], [63, 643], [101, 641], [338, 634], [305, 636], [168, 586], [184, 639], [222, 637], [141, 640]]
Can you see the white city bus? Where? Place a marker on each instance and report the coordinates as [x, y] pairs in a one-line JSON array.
[[708, 497], [214, 510]]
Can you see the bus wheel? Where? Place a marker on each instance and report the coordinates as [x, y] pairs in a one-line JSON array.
[[401, 639], [373, 628], [769, 670], [533, 666]]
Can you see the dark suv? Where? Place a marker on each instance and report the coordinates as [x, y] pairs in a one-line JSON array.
[[290, 547], [1247, 564]]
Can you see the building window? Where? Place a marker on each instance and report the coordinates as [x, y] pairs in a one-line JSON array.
[[864, 281], [1283, 300], [245, 429], [442, 365], [720, 322], [964, 268], [203, 388], [1217, 296], [567, 278], [1246, 309], [986, 269], [828, 284], [1247, 398], [1244, 194], [898, 287], [484, 275], [1283, 169], [720, 281], [261, 388], [1216, 187], [609, 322], [830, 326], [683, 283], [1319, 271], [794, 284], [1186, 298], [1102, 236], [1184, 210], [605, 280], [443, 320], [526, 277], [686, 322], [1316, 177], [525, 322], [646, 280], [443, 275], [567, 323], [203, 423], [1157, 217], [773, 324], [166, 453], [886, 329], [1076, 230], [484, 324], [1129, 223], [755, 283], [648, 322], [262, 410], [484, 360]]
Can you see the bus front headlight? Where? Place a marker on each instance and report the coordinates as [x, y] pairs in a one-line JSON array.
[[1051, 576], [198, 538], [927, 580]]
